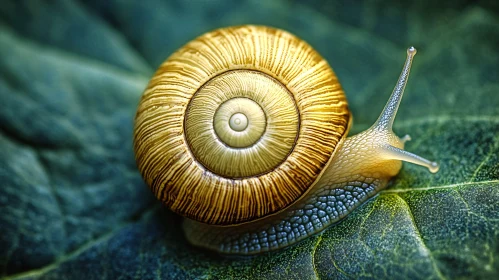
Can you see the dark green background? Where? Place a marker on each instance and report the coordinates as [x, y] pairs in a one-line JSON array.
[[72, 204]]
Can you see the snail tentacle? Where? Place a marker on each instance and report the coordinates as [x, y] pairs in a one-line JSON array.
[[400, 154], [387, 116], [385, 121]]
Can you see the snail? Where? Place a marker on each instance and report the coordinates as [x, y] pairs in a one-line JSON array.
[[243, 132]]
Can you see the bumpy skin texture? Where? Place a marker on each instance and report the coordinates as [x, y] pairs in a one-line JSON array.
[[358, 171], [322, 209]]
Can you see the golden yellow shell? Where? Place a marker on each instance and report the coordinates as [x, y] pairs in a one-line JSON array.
[[204, 161]]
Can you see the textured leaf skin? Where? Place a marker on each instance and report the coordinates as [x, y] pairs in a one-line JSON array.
[[72, 204]]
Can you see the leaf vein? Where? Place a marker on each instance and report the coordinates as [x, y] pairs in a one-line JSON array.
[[316, 245], [420, 238], [453, 186]]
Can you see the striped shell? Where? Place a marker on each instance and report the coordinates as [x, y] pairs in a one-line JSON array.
[[238, 124]]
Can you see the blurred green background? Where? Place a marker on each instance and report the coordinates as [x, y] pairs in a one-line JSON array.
[[73, 205]]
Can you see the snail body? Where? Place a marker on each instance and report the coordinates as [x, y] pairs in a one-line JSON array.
[[243, 132]]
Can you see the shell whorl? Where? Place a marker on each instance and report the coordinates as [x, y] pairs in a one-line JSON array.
[[238, 124], [273, 123]]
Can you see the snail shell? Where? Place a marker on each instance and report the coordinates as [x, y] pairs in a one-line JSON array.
[[238, 124]]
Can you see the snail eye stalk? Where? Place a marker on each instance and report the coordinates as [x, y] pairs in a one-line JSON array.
[[385, 121]]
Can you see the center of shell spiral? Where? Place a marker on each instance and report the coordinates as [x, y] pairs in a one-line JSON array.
[[241, 123], [238, 122], [251, 126]]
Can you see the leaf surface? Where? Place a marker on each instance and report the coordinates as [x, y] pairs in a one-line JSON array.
[[73, 205]]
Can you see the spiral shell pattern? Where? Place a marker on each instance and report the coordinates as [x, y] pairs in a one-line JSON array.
[[238, 124], [261, 144]]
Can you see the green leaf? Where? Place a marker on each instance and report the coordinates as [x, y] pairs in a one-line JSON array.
[[73, 205]]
